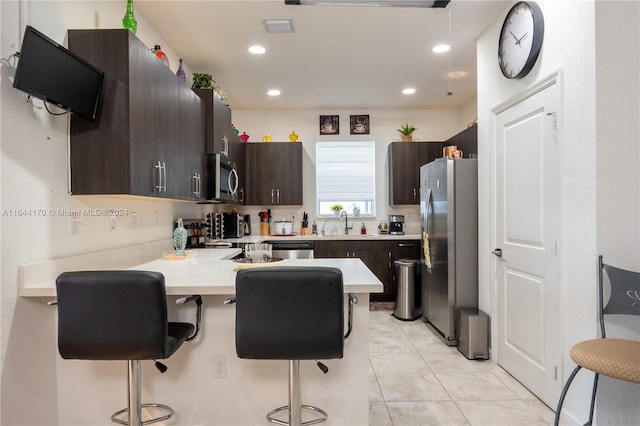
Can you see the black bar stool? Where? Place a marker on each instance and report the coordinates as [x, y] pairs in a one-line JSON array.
[[291, 313], [119, 315]]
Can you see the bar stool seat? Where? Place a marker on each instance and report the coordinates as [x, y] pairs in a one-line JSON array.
[[119, 315], [291, 313]]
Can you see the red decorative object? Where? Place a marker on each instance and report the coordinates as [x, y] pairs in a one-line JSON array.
[[160, 54], [244, 137]]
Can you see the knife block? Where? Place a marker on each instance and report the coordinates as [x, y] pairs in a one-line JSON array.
[[265, 228]]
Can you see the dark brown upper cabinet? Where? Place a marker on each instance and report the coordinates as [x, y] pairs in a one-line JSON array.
[[273, 173], [148, 139], [405, 159]]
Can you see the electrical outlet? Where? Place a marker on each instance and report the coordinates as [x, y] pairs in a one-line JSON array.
[[219, 367], [112, 222], [75, 225], [134, 218]]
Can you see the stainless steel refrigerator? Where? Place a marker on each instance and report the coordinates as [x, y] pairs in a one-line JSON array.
[[449, 264]]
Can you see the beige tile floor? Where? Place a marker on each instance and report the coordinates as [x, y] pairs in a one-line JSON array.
[[416, 379]]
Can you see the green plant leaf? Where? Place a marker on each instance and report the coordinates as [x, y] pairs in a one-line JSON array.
[[407, 129]]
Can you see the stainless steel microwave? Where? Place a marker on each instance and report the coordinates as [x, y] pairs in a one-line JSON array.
[[222, 179]]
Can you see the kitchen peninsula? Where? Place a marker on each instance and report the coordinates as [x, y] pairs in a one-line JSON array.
[[250, 388]]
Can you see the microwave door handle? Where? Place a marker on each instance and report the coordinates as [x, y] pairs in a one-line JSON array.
[[235, 187]]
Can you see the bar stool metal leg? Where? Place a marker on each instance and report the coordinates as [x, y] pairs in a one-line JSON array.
[[295, 406], [135, 407]]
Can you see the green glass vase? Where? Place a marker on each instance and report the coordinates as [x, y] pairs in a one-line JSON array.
[[129, 21]]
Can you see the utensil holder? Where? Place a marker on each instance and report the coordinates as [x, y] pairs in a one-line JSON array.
[[265, 229]]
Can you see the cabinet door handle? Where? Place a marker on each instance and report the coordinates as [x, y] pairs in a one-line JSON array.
[[158, 167], [271, 195], [199, 185], [406, 245], [414, 195], [196, 184], [389, 260], [241, 191], [278, 196], [164, 173], [225, 144]]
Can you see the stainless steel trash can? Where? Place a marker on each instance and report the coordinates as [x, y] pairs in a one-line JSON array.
[[473, 341], [408, 300]]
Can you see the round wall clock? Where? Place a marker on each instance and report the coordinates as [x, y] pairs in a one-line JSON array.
[[520, 39]]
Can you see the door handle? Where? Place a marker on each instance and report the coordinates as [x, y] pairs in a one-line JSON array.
[[497, 252]]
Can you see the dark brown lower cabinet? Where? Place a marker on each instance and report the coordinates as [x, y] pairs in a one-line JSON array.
[[378, 255]]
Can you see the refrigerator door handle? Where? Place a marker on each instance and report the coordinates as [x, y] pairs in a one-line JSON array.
[[427, 210], [426, 245]]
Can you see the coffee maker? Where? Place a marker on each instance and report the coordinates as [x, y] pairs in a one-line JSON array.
[[396, 224]]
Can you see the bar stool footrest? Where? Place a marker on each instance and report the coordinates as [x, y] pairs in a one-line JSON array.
[[317, 410], [146, 422]]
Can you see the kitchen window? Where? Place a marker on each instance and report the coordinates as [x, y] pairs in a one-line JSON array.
[[345, 175]]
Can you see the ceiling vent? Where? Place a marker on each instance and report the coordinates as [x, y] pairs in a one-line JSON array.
[[279, 25], [390, 3]]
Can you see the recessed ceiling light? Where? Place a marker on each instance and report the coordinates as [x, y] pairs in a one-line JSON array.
[[456, 74], [409, 91], [273, 92], [441, 48], [257, 50]]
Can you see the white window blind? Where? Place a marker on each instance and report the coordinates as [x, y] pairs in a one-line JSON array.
[[345, 174]]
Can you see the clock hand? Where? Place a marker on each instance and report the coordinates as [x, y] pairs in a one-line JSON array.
[[522, 38], [514, 36]]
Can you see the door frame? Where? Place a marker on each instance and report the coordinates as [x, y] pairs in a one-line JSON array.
[[555, 78]]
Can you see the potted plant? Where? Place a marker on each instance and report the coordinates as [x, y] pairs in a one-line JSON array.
[[336, 209], [206, 81], [406, 132]]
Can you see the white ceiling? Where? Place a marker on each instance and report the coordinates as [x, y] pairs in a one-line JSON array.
[[337, 58]]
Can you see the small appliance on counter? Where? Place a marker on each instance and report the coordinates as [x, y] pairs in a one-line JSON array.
[[232, 225], [197, 231], [224, 225], [396, 224], [283, 227], [383, 228], [247, 224]]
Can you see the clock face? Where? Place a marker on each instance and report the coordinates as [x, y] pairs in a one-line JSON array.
[[520, 39]]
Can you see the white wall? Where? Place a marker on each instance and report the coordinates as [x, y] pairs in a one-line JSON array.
[[618, 175], [34, 176], [433, 125], [570, 46]]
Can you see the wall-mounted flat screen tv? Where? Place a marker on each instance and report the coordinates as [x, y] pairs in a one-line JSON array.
[[52, 73]]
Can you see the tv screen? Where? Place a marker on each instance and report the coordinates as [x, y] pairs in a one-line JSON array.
[[52, 73]]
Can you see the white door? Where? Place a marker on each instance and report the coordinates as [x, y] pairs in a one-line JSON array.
[[527, 220]]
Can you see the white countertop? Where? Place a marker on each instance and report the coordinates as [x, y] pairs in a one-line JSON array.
[[256, 238], [211, 273]]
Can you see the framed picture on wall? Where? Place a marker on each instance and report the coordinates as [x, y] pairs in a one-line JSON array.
[[329, 124], [359, 124]]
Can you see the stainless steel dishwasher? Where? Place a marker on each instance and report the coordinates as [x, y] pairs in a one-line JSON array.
[[292, 249]]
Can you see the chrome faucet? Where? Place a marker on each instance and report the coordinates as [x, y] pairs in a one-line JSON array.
[[346, 222]]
